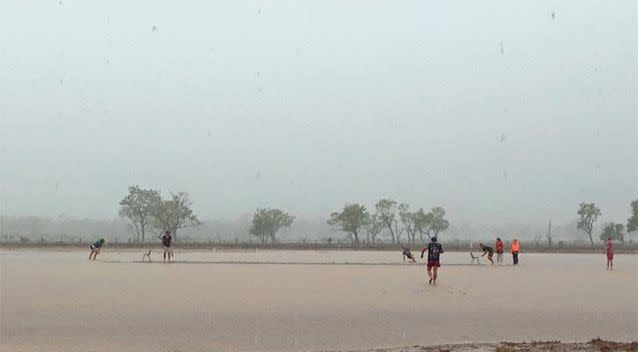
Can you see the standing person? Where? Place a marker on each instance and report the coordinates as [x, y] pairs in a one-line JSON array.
[[95, 248], [166, 242], [516, 248], [610, 254], [408, 254], [434, 250], [500, 248], [487, 250]]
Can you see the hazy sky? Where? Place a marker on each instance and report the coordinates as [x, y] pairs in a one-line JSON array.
[[493, 109]]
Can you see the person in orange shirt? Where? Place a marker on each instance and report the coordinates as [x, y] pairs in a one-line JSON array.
[[500, 248], [516, 248]]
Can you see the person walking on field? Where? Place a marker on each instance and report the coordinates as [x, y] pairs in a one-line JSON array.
[[166, 242], [500, 248], [610, 254], [487, 250], [516, 248], [95, 248], [434, 251]]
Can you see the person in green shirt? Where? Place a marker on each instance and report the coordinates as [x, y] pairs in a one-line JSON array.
[[95, 248]]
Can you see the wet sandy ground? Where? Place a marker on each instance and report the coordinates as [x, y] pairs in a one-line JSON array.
[[594, 345], [58, 301]]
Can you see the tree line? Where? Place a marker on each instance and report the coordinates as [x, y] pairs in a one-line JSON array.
[[588, 214], [356, 221], [148, 211], [390, 216], [397, 220]]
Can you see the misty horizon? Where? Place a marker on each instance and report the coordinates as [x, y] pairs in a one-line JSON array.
[[508, 114]]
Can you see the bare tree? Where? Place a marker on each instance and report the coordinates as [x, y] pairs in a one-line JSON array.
[[549, 233]]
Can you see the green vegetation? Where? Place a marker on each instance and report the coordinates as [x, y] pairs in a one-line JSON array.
[[350, 220], [614, 231], [373, 228], [144, 207], [355, 216], [145, 212], [588, 214], [267, 222], [632, 222], [408, 220], [386, 210], [173, 214], [136, 207]]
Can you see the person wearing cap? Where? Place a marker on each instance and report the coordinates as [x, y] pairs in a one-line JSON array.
[[516, 248], [95, 248], [166, 243], [500, 248], [434, 251]]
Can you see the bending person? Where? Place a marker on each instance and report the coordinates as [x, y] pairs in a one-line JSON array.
[[487, 250], [408, 254], [95, 248]]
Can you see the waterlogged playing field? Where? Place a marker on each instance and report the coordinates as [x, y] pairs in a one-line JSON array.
[[304, 300]]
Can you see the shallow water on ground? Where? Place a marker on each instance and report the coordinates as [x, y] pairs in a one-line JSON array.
[[58, 301]]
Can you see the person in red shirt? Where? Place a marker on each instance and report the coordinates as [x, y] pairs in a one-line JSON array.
[[500, 248], [610, 254]]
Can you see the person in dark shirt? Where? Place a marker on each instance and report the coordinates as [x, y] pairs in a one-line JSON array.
[[408, 254], [434, 251], [95, 248], [489, 251], [166, 242]]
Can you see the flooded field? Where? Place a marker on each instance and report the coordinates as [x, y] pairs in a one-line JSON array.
[[305, 301]]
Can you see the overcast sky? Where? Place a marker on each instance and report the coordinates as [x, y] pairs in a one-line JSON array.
[[497, 110]]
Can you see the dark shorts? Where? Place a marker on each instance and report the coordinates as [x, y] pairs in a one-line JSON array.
[[610, 256], [490, 255], [94, 248], [433, 263]]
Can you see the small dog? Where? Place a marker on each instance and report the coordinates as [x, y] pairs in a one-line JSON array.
[[475, 258], [147, 255]]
